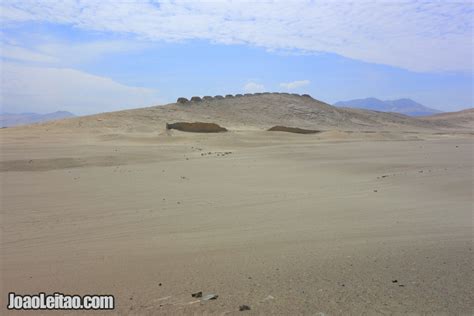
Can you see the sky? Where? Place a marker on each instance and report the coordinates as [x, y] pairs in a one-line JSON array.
[[97, 56]]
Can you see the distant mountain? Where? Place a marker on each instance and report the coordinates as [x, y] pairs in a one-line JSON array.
[[15, 119], [403, 106]]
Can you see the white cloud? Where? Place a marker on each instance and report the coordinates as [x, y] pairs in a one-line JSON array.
[[78, 53], [48, 89], [59, 52], [294, 84], [422, 36], [22, 54], [252, 87]]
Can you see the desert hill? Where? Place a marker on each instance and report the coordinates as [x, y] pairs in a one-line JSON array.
[[16, 119], [258, 111], [464, 118], [402, 106]]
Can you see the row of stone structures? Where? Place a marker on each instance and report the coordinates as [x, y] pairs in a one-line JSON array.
[[182, 100]]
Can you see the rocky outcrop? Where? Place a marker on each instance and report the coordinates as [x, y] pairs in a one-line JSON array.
[[196, 127], [182, 100], [297, 130]]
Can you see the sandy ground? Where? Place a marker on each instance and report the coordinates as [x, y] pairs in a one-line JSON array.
[[327, 224]]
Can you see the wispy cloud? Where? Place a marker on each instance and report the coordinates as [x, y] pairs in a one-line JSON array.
[[252, 87], [78, 53], [27, 88], [294, 84], [65, 53], [27, 55], [421, 36]]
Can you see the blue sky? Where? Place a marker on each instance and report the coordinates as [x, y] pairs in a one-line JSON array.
[[96, 56]]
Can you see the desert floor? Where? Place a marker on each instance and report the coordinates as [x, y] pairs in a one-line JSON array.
[[332, 223]]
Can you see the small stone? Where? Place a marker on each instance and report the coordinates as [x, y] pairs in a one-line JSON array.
[[210, 297], [244, 308], [197, 294], [269, 298]]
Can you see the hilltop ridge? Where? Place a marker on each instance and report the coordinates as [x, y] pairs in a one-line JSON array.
[[258, 111]]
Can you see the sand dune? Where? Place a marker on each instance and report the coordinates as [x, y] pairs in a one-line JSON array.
[[371, 216]]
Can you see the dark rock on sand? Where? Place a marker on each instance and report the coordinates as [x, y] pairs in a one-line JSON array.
[[197, 294], [292, 130], [196, 127], [244, 308]]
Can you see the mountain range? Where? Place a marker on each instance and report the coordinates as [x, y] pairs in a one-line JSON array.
[[15, 119], [402, 106]]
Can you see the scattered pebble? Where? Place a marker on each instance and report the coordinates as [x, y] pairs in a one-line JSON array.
[[244, 308], [210, 297], [268, 298], [197, 294]]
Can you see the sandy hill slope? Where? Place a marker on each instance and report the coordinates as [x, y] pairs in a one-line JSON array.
[[464, 118], [15, 119], [250, 112], [403, 106]]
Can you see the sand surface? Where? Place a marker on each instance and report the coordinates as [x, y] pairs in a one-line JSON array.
[[332, 223]]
